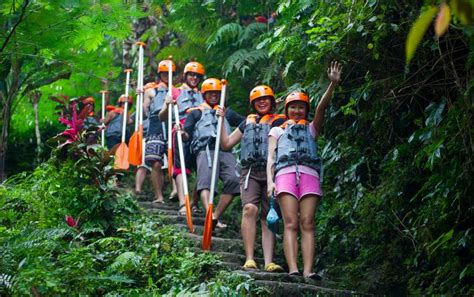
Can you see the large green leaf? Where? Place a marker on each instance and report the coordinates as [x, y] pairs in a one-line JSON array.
[[417, 31]]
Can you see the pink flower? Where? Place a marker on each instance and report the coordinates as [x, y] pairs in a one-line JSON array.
[[71, 222]]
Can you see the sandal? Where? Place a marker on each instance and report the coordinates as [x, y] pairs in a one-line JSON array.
[[314, 276], [249, 265], [173, 196], [272, 267], [294, 273], [182, 210], [158, 201], [196, 209]]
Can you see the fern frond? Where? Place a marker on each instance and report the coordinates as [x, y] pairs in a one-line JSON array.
[[243, 60], [126, 260], [250, 32], [227, 32]]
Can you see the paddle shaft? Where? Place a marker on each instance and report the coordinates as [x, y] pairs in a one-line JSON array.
[[216, 148], [125, 109], [170, 109], [181, 152], [103, 117], [140, 85]]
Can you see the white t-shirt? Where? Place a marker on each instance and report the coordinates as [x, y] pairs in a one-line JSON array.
[[277, 132]]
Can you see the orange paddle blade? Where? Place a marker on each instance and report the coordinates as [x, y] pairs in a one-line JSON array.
[[121, 157], [170, 164], [207, 234], [135, 149], [189, 215]]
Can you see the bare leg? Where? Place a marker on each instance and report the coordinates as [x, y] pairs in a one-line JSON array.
[[268, 242], [182, 198], [249, 229], [307, 210], [157, 181], [174, 188], [289, 209], [140, 179], [205, 198], [224, 202]]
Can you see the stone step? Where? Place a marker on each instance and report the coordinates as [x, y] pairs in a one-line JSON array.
[[175, 219], [218, 243], [166, 211], [230, 257], [285, 289], [285, 277], [151, 205], [198, 229]]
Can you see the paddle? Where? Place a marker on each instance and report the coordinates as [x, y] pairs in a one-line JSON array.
[[189, 218], [170, 121], [121, 154], [207, 235], [103, 92], [135, 143]]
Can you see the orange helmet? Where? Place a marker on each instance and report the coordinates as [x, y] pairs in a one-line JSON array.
[[211, 84], [163, 66], [194, 67], [261, 91], [122, 99], [88, 100], [296, 96]]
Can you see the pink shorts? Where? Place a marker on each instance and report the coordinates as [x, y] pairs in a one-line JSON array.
[[308, 185]]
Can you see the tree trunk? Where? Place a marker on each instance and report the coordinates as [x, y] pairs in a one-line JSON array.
[[35, 98], [4, 138]]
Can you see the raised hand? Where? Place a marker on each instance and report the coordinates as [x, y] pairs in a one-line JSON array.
[[335, 71]]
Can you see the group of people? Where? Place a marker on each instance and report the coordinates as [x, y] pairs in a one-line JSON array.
[[279, 156]]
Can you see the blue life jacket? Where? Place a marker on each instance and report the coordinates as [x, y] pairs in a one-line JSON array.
[[205, 130], [296, 146], [254, 144]]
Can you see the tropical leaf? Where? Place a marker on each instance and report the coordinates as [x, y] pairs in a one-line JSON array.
[[417, 31], [442, 20]]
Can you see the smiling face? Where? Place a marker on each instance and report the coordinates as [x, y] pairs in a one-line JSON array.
[[212, 97], [297, 110], [193, 79], [164, 77], [263, 105]]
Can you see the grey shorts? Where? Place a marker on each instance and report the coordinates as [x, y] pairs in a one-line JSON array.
[[228, 172], [155, 149], [256, 191]]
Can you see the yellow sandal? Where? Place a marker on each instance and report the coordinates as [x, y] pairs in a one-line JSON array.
[[250, 264], [272, 267]]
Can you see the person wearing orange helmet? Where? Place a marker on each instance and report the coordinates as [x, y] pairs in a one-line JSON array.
[[200, 129], [253, 137], [189, 97], [90, 122], [114, 121], [153, 102], [294, 162]]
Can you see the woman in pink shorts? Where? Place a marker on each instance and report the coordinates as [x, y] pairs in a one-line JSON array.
[[294, 162]]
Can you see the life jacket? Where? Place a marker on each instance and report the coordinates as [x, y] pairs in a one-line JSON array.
[[205, 130], [157, 103], [90, 121], [254, 144], [296, 146], [188, 98], [114, 128]]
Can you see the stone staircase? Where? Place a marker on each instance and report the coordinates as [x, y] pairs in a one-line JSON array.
[[228, 245]]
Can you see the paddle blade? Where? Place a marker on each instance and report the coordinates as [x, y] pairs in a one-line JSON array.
[[170, 164], [189, 215], [207, 234], [135, 149], [121, 157]]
